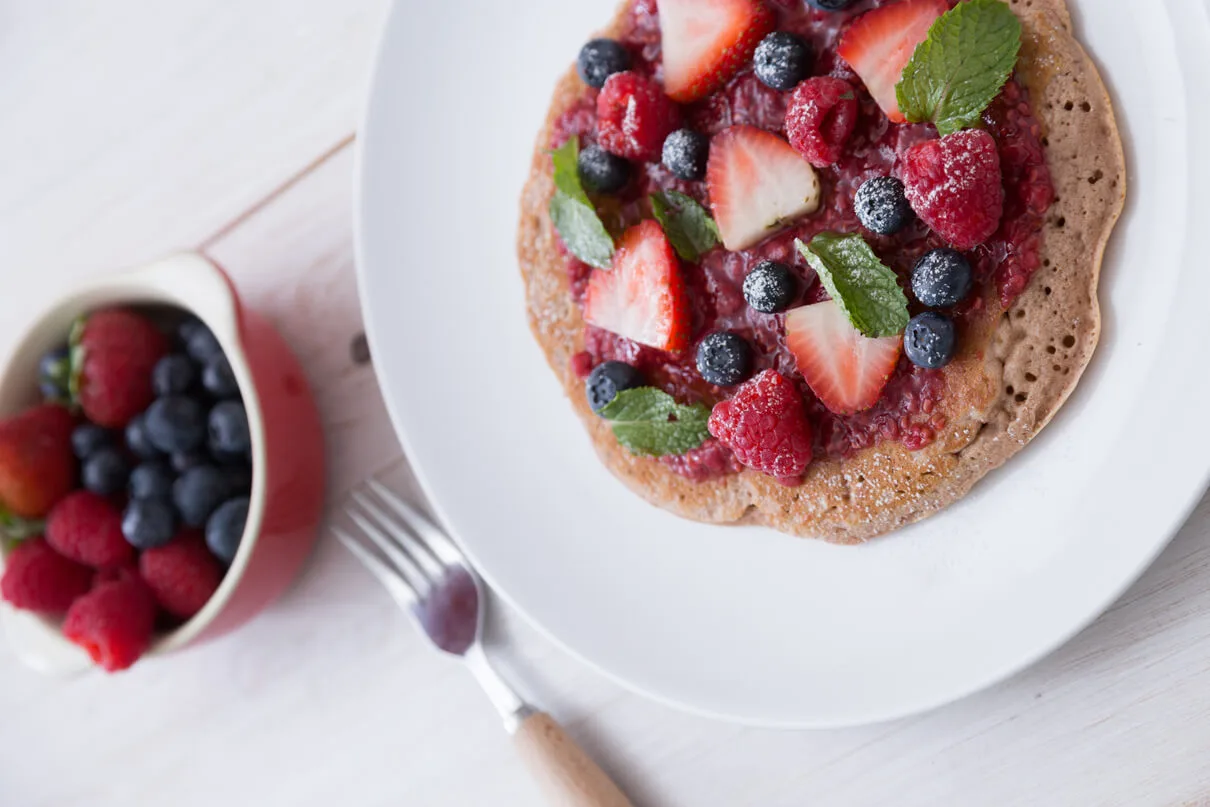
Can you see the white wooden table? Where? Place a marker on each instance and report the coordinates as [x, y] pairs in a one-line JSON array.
[[134, 127]]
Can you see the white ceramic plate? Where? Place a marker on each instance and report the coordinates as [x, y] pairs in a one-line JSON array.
[[744, 623]]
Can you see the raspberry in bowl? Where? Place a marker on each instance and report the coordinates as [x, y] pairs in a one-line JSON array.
[[161, 469]]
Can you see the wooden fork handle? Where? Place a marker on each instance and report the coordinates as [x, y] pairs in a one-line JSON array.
[[563, 771]]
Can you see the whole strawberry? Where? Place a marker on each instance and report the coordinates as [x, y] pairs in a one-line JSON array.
[[113, 354], [114, 622], [37, 466], [37, 578]]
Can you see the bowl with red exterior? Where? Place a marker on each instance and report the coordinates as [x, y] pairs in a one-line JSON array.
[[287, 454]]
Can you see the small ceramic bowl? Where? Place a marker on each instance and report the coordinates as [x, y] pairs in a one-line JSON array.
[[287, 446]]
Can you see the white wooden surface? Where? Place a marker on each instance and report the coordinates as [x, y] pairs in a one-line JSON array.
[[135, 126]]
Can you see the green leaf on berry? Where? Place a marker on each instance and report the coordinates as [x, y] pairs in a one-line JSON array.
[[960, 68], [688, 226], [14, 529], [649, 422], [572, 212], [865, 288]]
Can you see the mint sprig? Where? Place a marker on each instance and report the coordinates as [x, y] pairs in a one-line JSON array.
[[688, 226], [865, 288], [572, 212], [959, 69], [649, 422]]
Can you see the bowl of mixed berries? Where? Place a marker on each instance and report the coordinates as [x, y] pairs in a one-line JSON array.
[[161, 469]]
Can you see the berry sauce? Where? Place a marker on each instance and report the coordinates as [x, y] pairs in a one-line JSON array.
[[907, 410]]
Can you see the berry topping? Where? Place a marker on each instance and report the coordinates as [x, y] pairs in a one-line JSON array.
[[606, 380], [151, 480], [182, 574], [880, 43], [148, 523], [941, 278], [218, 379], [37, 578], [200, 342], [954, 185], [845, 369], [766, 426], [176, 423], [602, 172], [229, 435], [173, 375], [88, 529], [758, 185], [771, 287], [139, 441], [782, 60], [643, 296], [882, 206], [930, 340], [686, 153], [820, 119], [706, 42], [105, 472], [198, 493], [54, 374], [182, 461], [634, 117], [600, 59], [37, 465], [831, 5], [724, 359], [115, 353], [87, 438], [113, 622], [225, 529]]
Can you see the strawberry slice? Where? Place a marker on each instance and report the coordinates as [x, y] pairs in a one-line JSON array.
[[706, 42], [758, 184], [880, 43], [643, 296], [845, 369]]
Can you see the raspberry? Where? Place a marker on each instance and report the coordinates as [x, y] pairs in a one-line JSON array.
[[37, 578], [113, 622], [820, 119], [88, 529], [182, 575], [118, 350], [766, 426], [954, 186], [634, 117]]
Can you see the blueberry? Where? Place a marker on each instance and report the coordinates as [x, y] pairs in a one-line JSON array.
[[139, 441], [831, 5], [201, 344], [176, 423], [151, 480], [173, 375], [686, 153], [54, 369], [782, 60], [771, 287], [239, 479], [600, 59], [198, 492], [608, 379], [930, 340], [942, 278], [724, 359], [229, 429], [148, 523], [226, 527], [603, 172], [184, 460], [105, 472], [882, 205], [52, 392], [87, 438], [187, 328], [218, 379]]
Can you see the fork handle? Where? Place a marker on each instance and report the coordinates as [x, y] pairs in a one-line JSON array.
[[564, 772]]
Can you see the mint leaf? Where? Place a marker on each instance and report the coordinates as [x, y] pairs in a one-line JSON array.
[[864, 287], [960, 68], [688, 226], [572, 212], [650, 422]]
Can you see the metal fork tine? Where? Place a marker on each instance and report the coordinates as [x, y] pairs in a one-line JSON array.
[[404, 533], [405, 566], [429, 532], [402, 593]]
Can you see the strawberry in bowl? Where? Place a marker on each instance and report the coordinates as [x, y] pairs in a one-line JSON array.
[[161, 469]]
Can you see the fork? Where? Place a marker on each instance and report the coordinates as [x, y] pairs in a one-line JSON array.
[[430, 579]]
